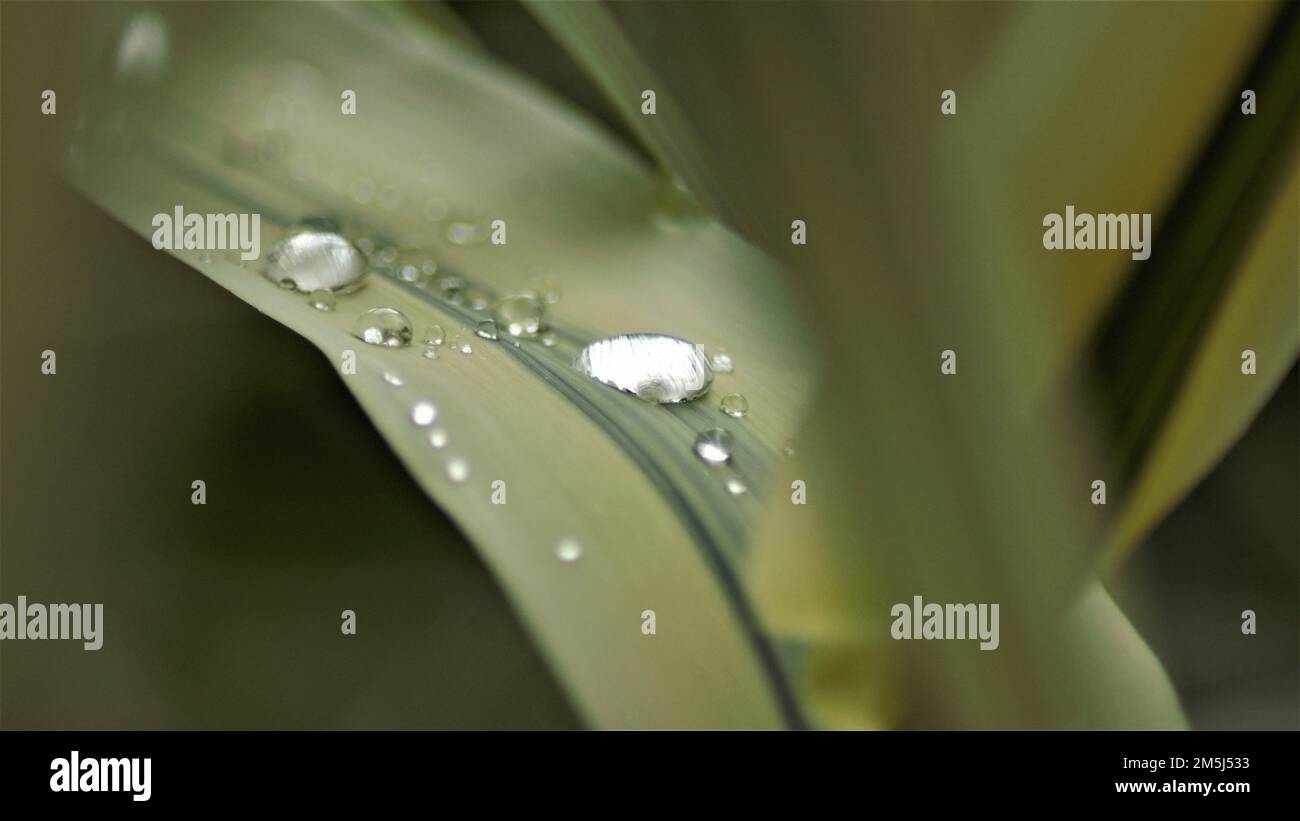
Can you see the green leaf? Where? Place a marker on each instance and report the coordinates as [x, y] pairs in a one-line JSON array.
[[251, 122]]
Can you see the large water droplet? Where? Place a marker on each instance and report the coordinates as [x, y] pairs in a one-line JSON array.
[[423, 413], [733, 404], [310, 261], [654, 367], [714, 446], [387, 327], [568, 551], [519, 316]]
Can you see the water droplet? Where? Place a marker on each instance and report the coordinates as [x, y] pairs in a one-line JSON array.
[[430, 352], [322, 299], [457, 469], [788, 448], [423, 413], [205, 258], [519, 316], [467, 232], [465, 348], [387, 327], [393, 379], [408, 272], [314, 260], [654, 367], [387, 255], [568, 551], [434, 335], [733, 404], [477, 300], [487, 329], [734, 486], [721, 362], [549, 339], [714, 446], [437, 438], [452, 288]]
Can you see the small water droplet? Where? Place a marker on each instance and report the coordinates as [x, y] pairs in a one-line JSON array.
[[788, 448], [487, 329], [408, 272], [568, 551], [465, 348], [452, 289], [466, 232], [322, 299], [733, 404], [430, 352], [714, 446], [721, 362], [437, 438], [549, 339], [423, 413], [654, 367], [457, 469], [434, 335], [393, 379], [477, 300], [734, 486], [519, 316], [387, 327], [387, 255], [310, 261]]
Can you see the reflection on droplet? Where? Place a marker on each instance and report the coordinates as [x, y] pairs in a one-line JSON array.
[[457, 469], [393, 379], [465, 348], [714, 446], [487, 329], [549, 339], [430, 352], [568, 551], [387, 327], [654, 367], [423, 413], [733, 404], [519, 316], [721, 362], [734, 486], [310, 261], [437, 438], [434, 335], [322, 299]]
